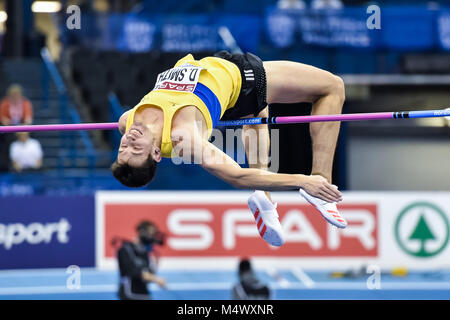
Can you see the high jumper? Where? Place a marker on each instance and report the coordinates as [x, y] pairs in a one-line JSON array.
[[177, 117]]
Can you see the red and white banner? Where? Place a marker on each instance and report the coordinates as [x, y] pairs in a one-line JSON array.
[[214, 229]]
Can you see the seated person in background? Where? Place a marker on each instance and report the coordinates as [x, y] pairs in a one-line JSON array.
[[15, 109], [249, 287], [25, 153]]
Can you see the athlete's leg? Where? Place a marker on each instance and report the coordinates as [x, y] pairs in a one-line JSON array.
[[256, 140], [291, 82]]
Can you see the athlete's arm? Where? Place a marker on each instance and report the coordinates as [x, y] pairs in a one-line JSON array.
[[216, 162]]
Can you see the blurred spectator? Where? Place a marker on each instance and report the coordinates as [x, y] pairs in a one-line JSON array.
[[291, 4], [136, 268], [326, 4], [25, 153], [249, 286], [15, 108]]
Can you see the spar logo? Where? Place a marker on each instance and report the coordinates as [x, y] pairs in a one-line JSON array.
[[229, 229], [422, 230], [33, 233]]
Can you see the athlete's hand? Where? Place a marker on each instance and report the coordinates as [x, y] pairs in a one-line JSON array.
[[319, 187]]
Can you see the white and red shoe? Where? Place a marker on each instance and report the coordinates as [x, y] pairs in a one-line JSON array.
[[266, 217], [328, 210]]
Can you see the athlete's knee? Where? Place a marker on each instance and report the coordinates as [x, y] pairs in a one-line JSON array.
[[338, 88]]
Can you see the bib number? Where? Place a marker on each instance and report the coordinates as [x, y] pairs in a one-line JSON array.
[[182, 78]]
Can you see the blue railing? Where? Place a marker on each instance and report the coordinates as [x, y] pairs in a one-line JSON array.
[[68, 113]]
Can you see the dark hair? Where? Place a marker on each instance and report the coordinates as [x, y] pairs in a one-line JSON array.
[[134, 177], [144, 225], [244, 265]]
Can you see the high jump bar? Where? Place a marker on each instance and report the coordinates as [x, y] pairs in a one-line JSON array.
[[247, 121]]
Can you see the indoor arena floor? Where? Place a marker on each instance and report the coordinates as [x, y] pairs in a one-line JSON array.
[[50, 284]]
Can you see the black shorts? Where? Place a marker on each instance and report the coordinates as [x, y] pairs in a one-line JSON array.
[[253, 96]]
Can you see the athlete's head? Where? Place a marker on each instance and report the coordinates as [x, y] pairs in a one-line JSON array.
[[137, 157]]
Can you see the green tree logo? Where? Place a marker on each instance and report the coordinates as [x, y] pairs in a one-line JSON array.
[[422, 233], [413, 228]]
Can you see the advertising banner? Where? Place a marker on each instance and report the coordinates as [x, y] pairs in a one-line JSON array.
[[46, 232], [214, 229], [408, 28], [168, 33], [335, 28], [444, 29]]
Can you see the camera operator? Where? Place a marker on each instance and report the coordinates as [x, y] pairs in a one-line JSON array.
[[249, 286], [136, 266]]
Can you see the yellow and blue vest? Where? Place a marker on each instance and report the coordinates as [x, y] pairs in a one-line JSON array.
[[217, 90]]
